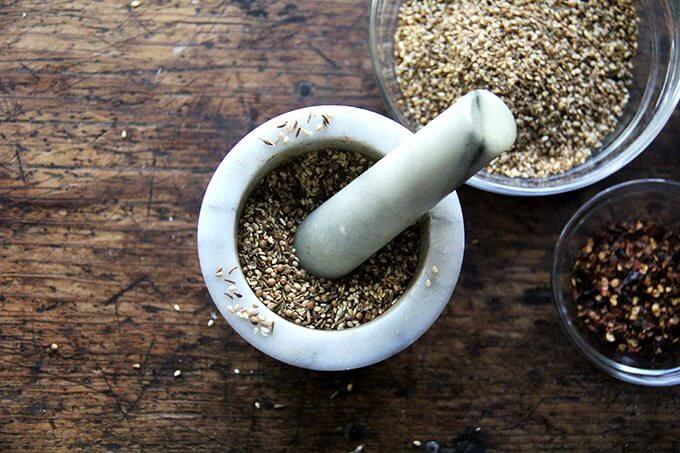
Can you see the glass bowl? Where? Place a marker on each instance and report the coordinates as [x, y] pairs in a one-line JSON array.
[[648, 199], [653, 96]]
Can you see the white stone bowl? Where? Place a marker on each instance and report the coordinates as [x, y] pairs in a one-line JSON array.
[[442, 244]]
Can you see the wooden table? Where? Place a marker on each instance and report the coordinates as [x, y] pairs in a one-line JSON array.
[[112, 120]]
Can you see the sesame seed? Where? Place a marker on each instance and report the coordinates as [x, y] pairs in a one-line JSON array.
[[53, 347], [435, 270], [237, 371], [211, 322], [175, 307], [136, 366], [257, 405], [417, 443], [135, 3], [428, 283], [123, 133], [177, 373]]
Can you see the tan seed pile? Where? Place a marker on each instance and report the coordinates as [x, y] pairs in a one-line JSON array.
[[562, 66], [267, 234]]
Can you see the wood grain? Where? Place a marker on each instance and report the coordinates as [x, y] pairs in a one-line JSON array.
[[97, 243]]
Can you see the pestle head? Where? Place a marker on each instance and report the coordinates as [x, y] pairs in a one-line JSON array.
[[400, 188], [496, 121]]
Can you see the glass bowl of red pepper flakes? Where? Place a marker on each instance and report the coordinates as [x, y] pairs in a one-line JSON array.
[[616, 281]]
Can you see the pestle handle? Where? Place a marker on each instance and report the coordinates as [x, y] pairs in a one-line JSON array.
[[404, 185]]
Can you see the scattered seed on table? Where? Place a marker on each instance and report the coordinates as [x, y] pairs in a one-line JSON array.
[[177, 373], [176, 307]]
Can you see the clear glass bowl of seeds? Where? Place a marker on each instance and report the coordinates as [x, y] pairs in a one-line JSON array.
[[591, 83], [616, 281]]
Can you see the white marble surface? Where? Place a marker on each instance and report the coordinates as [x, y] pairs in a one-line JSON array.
[[442, 245], [394, 193]]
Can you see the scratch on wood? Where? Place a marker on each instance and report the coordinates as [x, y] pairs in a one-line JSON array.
[[144, 387], [325, 58], [116, 297], [151, 185], [112, 392], [18, 149]]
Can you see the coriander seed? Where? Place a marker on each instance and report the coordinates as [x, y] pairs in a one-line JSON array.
[[563, 69], [266, 238]]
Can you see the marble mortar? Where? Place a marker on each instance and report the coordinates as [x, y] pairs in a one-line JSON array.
[[442, 243]]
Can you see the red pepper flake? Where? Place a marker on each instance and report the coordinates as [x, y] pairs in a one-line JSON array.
[[626, 285]]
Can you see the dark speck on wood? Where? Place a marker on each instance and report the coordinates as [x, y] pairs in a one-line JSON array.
[[536, 296], [303, 89]]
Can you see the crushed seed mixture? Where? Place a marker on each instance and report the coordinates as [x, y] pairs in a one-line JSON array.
[[562, 66], [626, 284], [267, 233]]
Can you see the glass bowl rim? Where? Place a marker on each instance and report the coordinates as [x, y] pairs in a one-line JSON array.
[[627, 373], [669, 99]]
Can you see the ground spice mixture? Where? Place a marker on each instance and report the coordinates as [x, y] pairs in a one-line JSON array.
[[563, 67], [267, 233], [626, 284]]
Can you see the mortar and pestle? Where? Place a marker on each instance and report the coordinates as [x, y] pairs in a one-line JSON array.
[[414, 181]]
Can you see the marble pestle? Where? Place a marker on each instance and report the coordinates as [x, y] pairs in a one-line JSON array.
[[404, 185]]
